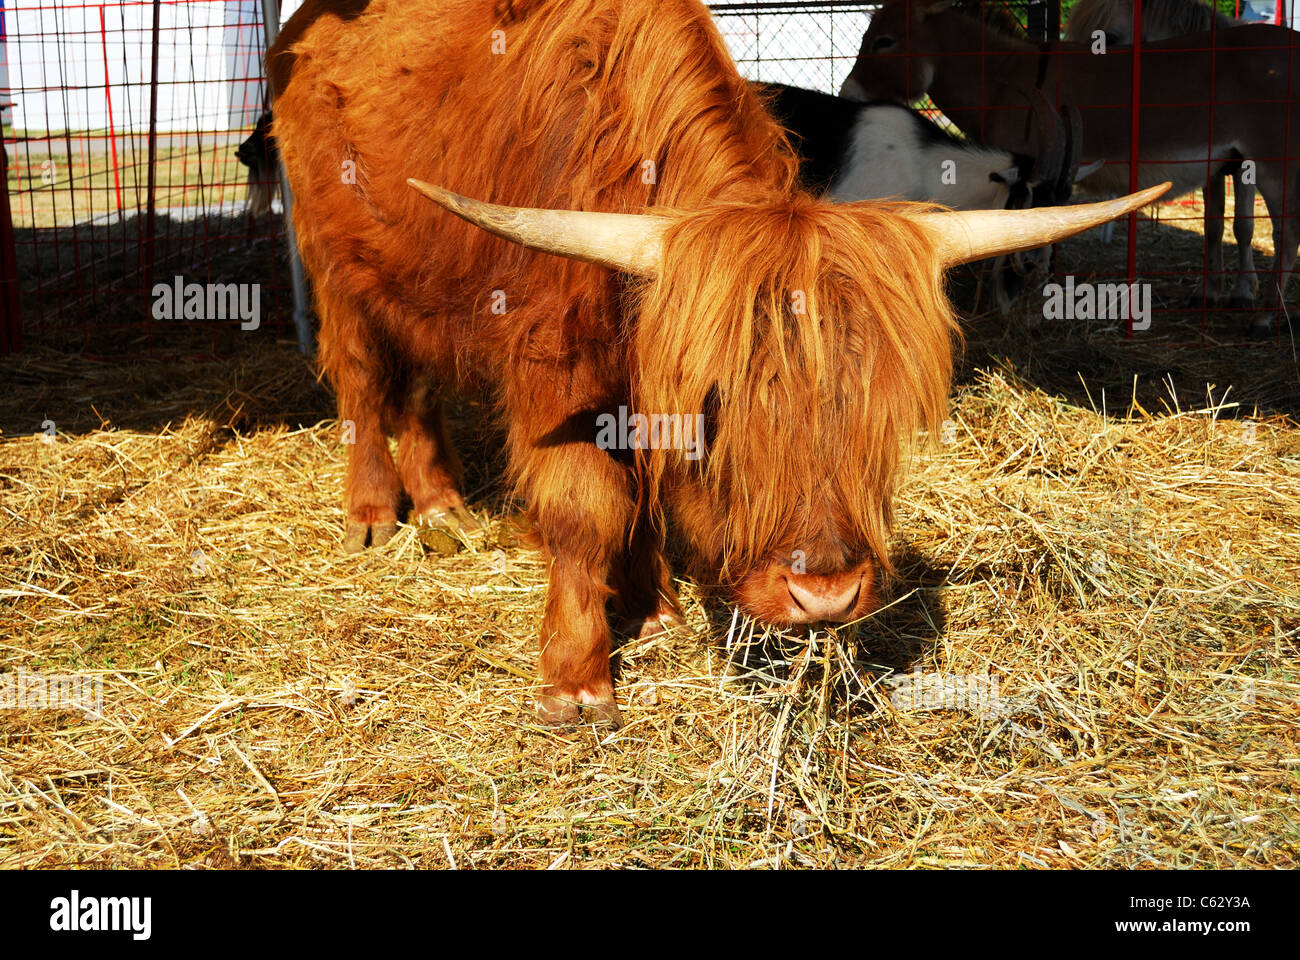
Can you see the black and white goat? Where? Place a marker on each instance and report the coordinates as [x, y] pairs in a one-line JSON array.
[[873, 151]]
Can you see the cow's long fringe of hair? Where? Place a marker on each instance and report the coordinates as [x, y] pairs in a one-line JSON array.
[[1161, 19], [818, 339]]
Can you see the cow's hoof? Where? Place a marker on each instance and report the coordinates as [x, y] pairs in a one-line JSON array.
[[455, 519], [356, 534], [603, 714], [514, 531], [464, 521], [564, 711], [657, 625], [557, 711], [440, 529]]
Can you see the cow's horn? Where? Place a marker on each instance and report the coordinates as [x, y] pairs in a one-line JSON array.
[[962, 236], [632, 243]]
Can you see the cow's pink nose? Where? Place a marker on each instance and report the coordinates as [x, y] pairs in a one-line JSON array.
[[824, 597]]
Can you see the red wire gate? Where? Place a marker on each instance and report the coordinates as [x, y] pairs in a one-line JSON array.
[[1187, 212], [120, 139]]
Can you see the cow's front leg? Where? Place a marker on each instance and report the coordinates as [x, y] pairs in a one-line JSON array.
[[581, 509], [576, 641]]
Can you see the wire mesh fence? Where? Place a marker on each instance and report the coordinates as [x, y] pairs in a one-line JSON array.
[[122, 120], [121, 171], [810, 45]]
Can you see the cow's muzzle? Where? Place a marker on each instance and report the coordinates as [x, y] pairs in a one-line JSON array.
[[783, 594]]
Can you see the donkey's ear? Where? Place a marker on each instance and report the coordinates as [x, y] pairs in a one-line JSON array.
[[931, 7]]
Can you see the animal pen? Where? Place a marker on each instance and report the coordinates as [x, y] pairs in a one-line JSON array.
[[1087, 657], [122, 120], [120, 136], [120, 139]]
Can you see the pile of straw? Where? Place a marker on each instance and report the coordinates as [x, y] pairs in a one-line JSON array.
[[1089, 659]]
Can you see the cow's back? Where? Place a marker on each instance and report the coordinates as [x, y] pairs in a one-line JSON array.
[[587, 105]]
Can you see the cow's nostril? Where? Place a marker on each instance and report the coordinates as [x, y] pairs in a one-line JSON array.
[[824, 598]]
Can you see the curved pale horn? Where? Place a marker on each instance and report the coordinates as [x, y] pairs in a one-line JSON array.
[[965, 235], [632, 243]]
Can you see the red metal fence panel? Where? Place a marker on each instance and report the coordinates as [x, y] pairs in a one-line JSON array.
[[122, 174]]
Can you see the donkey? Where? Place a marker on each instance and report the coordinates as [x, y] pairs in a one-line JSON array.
[[1206, 101], [1162, 19]]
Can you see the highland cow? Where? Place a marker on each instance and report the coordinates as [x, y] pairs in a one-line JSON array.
[[693, 278]]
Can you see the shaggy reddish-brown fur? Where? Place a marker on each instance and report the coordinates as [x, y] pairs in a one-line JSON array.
[[816, 339]]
